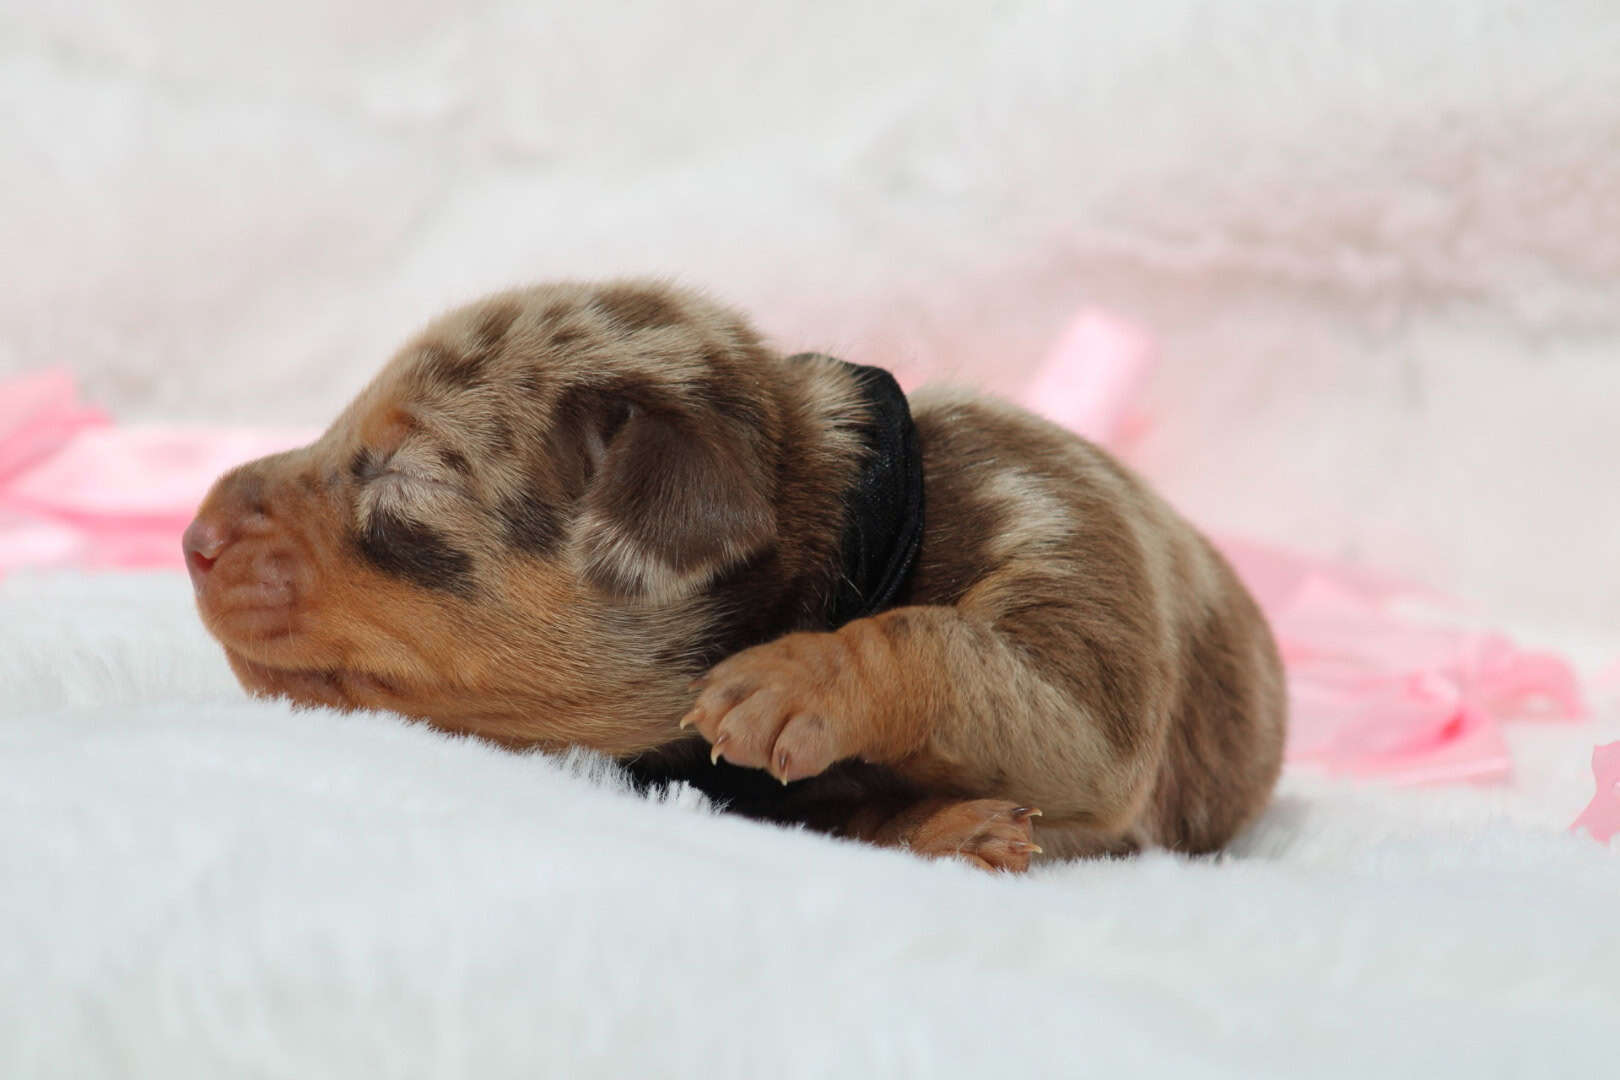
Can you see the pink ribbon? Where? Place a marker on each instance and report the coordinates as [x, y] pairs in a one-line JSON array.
[[76, 491], [1601, 818]]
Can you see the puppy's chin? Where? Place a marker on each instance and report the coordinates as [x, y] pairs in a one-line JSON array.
[[349, 690], [315, 687]]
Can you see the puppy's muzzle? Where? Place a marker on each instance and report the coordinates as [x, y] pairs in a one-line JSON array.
[[244, 563]]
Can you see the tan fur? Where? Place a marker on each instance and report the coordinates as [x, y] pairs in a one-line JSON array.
[[557, 507]]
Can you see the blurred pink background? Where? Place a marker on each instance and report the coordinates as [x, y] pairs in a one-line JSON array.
[[1385, 281]]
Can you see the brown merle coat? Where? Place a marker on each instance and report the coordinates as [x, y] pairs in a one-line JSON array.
[[608, 516]]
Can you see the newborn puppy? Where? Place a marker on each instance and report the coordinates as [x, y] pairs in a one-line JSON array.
[[608, 516]]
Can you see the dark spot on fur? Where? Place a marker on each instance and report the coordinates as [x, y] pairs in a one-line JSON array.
[[415, 552], [530, 384], [457, 461], [532, 526], [637, 308], [442, 366], [557, 310], [493, 326], [567, 335]]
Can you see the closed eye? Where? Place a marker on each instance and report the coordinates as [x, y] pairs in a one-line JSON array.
[[364, 466], [367, 467], [407, 478]]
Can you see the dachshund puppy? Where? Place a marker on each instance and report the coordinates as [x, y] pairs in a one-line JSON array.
[[608, 516]]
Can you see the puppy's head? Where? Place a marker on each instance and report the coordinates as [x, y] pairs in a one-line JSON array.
[[512, 530]]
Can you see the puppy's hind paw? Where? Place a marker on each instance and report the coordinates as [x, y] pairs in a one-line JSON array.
[[991, 834]]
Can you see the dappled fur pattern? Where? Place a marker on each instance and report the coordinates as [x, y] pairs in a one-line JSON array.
[[609, 516]]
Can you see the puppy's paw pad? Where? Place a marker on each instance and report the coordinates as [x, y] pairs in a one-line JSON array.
[[806, 746], [989, 833], [766, 708]]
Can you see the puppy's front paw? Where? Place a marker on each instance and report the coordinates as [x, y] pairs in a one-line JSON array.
[[787, 707]]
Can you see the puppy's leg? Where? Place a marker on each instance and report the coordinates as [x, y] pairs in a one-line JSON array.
[[1028, 708], [991, 834]]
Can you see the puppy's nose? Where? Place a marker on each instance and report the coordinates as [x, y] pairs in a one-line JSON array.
[[204, 539]]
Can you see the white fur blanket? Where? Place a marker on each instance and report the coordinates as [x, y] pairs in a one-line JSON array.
[[192, 884]]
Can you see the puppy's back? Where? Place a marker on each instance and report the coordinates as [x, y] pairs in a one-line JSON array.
[[1028, 521]]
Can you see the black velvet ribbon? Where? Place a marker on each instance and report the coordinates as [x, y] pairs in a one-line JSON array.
[[884, 528]]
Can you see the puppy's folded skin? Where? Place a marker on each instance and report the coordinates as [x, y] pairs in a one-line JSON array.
[[609, 516]]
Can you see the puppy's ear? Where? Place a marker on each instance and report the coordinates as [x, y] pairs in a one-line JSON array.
[[673, 499]]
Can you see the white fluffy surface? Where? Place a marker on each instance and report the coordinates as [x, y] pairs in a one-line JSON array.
[[195, 885], [1378, 239]]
